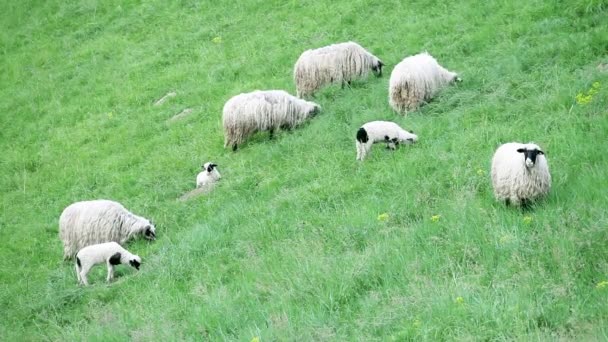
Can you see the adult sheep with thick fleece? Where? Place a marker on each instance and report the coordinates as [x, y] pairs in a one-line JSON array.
[[263, 110], [109, 253], [520, 173], [415, 80], [381, 131], [336, 63], [91, 222]]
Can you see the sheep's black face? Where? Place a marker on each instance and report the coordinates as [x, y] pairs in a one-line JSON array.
[[377, 69], [530, 156], [456, 79], [150, 232], [210, 167], [135, 263], [315, 110]]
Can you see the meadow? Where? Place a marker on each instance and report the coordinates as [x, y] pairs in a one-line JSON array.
[[299, 241]]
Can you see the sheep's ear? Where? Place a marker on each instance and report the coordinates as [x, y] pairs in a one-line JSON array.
[[540, 152], [412, 132], [521, 150]]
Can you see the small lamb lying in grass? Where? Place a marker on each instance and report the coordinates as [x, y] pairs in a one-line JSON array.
[[110, 253]]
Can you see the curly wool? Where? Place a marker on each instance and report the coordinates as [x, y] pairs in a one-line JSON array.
[[91, 222], [416, 79], [515, 182], [267, 110], [336, 63]]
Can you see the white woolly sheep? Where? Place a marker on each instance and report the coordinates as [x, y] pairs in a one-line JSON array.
[[336, 63], [520, 173], [267, 110], [381, 131], [209, 176], [110, 253], [416, 79], [91, 222]]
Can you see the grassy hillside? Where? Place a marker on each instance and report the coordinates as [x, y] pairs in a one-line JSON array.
[[294, 243]]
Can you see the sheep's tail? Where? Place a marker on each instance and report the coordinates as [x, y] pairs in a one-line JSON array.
[[362, 135]]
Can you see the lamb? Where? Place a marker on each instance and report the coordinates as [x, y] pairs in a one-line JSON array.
[[267, 110], [209, 176], [91, 222], [520, 173], [110, 253], [381, 131], [336, 63], [416, 79]]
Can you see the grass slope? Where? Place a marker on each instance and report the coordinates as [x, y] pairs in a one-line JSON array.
[[290, 246]]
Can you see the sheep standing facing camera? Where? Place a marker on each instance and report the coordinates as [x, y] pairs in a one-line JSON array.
[[267, 110], [520, 173], [416, 79], [209, 176], [381, 131], [109, 253], [90, 222], [336, 63]]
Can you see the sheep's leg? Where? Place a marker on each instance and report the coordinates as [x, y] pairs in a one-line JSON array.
[[78, 274], [234, 147], [526, 204], [110, 272], [358, 145], [271, 133], [83, 275]]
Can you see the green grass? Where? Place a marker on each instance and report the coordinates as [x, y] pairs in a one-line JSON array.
[[289, 246]]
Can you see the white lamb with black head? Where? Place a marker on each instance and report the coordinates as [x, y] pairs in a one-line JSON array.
[[263, 110], [110, 253], [520, 173], [209, 176], [415, 80], [336, 63], [381, 131], [90, 222]]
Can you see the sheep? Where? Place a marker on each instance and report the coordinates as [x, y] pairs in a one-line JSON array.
[[266, 110], [520, 173], [110, 253], [416, 79], [89, 222], [381, 131], [209, 176], [336, 63]]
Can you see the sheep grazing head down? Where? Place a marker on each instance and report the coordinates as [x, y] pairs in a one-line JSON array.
[[530, 153], [377, 68], [316, 109]]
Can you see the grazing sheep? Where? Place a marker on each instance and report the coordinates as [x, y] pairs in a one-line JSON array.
[[267, 110], [90, 222], [336, 63], [415, 80], [520, 173], [110, 253], [209, 176], [381, 131]]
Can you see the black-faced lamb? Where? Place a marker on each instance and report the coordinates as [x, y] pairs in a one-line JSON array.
[[209, 176], [110, 253], [336, 63], [90, 222], [268, 110], [415, 80], [520, 173], [381, 131]]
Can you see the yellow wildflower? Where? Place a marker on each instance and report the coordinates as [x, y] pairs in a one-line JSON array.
[[480, 172], [601, 284], [527, 219], [417, 323], [383, 217], [435, 218], [255, 339], [596, 85], [110, 115], [217, 40], [459, 300]]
